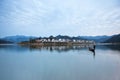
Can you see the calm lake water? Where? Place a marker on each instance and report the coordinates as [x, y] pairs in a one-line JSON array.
[[59, 63]]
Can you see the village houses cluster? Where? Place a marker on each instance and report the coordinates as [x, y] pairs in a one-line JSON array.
[[39, 40]]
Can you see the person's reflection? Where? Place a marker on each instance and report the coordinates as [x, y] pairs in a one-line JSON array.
[[92, 49], [51, 48]]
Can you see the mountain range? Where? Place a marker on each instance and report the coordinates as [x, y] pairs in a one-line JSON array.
[[17, 38], [4, 41], [97, 39], [113, 39]]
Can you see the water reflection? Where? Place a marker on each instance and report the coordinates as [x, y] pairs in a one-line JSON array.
[[13, 47], [59, 48], [113, 47], [37, 62], [109, 47]]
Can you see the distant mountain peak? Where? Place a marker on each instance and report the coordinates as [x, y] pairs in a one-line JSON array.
[[113, 39], [18, 38]]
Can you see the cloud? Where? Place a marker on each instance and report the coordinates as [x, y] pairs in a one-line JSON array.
[[72, 17]]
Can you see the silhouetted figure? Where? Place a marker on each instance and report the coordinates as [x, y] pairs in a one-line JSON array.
[[92, 49]]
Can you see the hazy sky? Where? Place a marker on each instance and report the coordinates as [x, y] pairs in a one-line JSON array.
[[54, 17]]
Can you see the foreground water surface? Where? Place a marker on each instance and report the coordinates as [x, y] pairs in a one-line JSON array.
[[59, 63]]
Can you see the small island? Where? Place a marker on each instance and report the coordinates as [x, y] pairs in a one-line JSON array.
[[57, 41]]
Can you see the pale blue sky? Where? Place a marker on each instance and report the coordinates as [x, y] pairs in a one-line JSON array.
[[54, 17]]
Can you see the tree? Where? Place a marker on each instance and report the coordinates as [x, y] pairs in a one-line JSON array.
[[31, 40], [51, 37]]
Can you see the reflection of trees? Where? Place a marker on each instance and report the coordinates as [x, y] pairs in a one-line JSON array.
[[107, 47], [13, 48], [114, 47], [58, 48]]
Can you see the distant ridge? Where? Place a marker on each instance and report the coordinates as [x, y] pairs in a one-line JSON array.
[[4, 42], [113, 39], [96, 38], [18, 38]]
